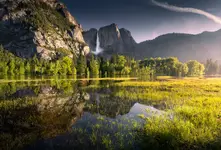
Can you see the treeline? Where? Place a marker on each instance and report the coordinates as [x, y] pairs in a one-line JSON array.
[[81, 66], [100, 67], [173, 67], [212, 68]]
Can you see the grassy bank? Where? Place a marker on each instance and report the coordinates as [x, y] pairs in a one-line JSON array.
[[64, 79], [192, 118]]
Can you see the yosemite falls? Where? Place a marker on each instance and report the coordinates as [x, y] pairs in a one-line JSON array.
[[98, 48]]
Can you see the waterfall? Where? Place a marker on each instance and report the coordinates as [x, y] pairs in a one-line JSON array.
[[98, 48]]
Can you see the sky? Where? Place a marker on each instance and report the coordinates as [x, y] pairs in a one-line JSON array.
[[145, 20]]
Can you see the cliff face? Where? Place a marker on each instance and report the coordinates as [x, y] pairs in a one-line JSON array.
[[40, 27], [112, 40], [91, 38]]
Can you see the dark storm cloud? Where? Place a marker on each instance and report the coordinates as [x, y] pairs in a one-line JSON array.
[[142, 18]]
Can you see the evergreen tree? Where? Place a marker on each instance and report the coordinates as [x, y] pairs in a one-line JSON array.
[[57, 69], [27, 68], [22, 68], [4, 68], [82, 66], [68, 63], [94, 67], [11, 67]]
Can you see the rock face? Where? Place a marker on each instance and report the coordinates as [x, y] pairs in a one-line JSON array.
[[112, 40], [90, 38], [40, 27], [129, 42]]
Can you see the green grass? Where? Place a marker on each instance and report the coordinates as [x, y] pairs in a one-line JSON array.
[[195, 107], [192, 118]]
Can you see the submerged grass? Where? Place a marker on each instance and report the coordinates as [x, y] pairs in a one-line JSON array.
[[193, 120]]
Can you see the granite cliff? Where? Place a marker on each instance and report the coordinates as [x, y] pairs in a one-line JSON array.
[[112, 40], [40, 27]]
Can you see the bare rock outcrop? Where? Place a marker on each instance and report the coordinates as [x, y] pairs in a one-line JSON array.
[[40, 27]]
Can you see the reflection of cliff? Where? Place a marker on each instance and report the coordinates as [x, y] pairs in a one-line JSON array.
[[120, 131], [48, 114]]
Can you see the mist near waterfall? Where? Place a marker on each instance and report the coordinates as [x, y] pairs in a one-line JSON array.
[[98, 48], [188, 10]]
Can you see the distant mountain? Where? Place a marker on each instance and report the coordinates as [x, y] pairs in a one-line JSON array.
[[47, 29], [111, 39], [40, 27], [184, 46]]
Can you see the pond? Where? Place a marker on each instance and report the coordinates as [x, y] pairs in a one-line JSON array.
[[69, 114]]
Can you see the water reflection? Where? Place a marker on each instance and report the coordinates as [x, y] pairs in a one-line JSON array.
[[63, 114]]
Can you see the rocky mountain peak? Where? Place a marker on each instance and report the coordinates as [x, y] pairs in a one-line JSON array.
[[109, 35], [127, 37], [42, 27], [112, 39]]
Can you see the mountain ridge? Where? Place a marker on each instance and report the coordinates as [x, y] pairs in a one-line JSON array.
[[185, 46]]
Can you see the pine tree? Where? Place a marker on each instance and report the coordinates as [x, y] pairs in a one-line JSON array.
[[82, 66], [57, 69], [94, 67], [22, 68], [27, 68], [11, 67]]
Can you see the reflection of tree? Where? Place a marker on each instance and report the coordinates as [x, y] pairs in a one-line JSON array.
[[107, 104], [51, 113]]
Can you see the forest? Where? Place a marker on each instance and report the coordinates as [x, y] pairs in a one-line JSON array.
[[93, 66]]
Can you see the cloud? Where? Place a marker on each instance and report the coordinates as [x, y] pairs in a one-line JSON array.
[[188, 10]]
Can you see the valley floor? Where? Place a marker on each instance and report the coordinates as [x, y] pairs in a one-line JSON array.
[[181, 113], [193, 112]]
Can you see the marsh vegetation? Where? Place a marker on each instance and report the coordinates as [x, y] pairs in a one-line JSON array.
[[166, 113]]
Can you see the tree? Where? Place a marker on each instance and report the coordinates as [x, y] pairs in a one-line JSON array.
[[82, 66], [27, 68], [182, 69], [11, 67], [120, 63], [126, 70], [105, 67], [211, 67], [185, 70], [74, 71], [94, 67], [195, 68], [34, 65], [57, 67], [4, 68], [22, 68], [68, 63], [201, 69], [64, 69]]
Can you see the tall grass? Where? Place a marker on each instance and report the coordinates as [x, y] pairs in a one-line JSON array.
[[194, 109]]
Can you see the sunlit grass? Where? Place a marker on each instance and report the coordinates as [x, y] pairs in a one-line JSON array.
[[193, 103], [192, 118]]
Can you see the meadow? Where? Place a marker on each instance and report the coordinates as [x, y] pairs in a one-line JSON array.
[[192, 118], [190, 114]]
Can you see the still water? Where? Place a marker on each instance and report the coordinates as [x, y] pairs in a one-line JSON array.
[[68, 114]]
